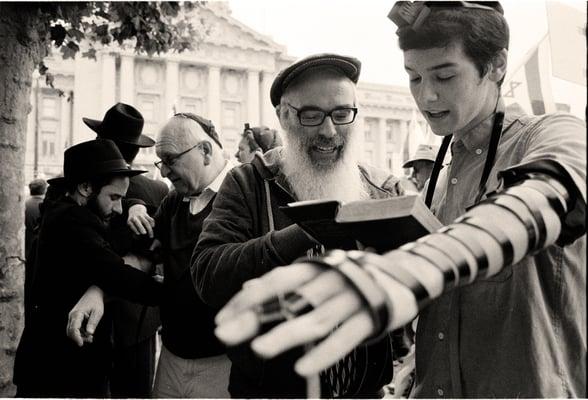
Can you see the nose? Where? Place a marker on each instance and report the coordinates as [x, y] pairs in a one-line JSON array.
[[427, 92], [164, 170], [117, 208], [328, 128], [237, 156]]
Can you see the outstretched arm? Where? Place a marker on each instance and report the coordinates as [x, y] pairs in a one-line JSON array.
[[366, 295]]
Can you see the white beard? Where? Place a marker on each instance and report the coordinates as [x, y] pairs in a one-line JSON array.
[[340, 182]]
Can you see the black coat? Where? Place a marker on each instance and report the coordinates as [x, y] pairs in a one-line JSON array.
[[72, 254]]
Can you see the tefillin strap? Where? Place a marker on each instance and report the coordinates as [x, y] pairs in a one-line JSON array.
[[489, 163]]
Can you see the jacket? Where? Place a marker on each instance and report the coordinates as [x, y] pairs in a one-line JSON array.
[[236, 245]]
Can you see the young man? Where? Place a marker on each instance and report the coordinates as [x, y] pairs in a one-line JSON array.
[[73, 252], [134, 326], [246, 233], [502, 289], [193, 363]]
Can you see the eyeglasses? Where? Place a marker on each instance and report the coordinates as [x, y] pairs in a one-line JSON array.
[[314, 116], [171, 161]]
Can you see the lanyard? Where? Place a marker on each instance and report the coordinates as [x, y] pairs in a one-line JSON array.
[[492, 148]]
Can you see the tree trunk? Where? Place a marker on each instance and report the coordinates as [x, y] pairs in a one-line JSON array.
[[20, 49]]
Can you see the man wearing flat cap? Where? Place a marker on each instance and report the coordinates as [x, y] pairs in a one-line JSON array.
[[73, 253], [247, 235], [500, 290], [134, 326], [422, 164]]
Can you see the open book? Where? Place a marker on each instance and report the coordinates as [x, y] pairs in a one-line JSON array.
[[382, 224]]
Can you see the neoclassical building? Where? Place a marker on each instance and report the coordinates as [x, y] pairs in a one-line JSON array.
[[226, 79]]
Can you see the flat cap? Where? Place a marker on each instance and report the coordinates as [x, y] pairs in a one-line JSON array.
[[349, 66]]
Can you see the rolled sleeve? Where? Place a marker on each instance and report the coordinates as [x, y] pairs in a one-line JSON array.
[[557, 147]]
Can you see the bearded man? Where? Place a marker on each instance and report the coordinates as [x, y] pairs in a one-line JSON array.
[[247, 235]]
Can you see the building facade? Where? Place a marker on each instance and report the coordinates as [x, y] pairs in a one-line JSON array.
[[226, 79]]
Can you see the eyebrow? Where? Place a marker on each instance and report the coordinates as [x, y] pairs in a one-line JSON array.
[[435, 67]]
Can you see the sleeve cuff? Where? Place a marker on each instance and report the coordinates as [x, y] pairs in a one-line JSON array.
[[290, 243]]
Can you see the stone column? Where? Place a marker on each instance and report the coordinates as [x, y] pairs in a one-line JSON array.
[[127, 79], [213, 100], [108, 77], [268, 113], [172, 86], [380, 141], [253, 98]]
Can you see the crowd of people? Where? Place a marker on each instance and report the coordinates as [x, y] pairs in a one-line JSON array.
[[498, 295]]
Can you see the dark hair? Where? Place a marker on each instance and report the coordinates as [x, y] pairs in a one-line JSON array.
[[37, 187], [483, 33]]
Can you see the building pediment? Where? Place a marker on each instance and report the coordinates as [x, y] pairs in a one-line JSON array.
[[227, 31]]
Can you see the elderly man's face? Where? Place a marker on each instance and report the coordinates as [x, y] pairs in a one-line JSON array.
[[182, 162], [324, 144]]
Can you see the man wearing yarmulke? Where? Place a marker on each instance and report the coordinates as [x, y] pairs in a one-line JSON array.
[[501, 289], [246, 233]]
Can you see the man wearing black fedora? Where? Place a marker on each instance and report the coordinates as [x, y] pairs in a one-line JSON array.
[[74, 252], [134, 326]]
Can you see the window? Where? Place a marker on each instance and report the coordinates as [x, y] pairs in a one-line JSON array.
[[369, 156], [370, 129], [393, 132], [48, 144], [49, 107]]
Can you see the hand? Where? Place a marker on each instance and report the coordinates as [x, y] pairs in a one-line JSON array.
[[85, 316], [335, 304], [139, 221], [138, 262]]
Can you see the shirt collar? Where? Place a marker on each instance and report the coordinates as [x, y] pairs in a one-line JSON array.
[[216, 183], [478, 138]]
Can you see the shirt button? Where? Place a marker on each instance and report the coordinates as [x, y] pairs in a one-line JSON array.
[[478, 151], [440, 392], [441, 336], [453, 181]]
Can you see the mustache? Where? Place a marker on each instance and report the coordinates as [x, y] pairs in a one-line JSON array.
[[335, 141]]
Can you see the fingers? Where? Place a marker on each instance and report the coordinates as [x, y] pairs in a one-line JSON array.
[[243, 322], [309, 327], [141, 224], [256, 291], [350, 335], [74, 327], [93, 321]]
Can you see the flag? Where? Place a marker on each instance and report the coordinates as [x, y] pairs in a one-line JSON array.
[[567, 37], [529, 85], [414, 137]]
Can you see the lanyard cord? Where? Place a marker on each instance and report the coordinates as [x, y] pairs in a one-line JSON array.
[[492, 148]]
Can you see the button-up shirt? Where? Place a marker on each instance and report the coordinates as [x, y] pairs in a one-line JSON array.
[[197, 203], [521, 332]]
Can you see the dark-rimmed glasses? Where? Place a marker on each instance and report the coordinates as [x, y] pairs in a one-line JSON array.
[[175, 158], [314, 116]]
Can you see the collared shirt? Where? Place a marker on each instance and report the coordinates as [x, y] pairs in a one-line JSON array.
[[197, 203], [521, 332]]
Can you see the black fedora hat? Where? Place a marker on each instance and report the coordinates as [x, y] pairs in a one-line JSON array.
[[121, 123], [93, 159]]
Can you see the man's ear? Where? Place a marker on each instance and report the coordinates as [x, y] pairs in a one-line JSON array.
[[498, 66], [281, 117], [207, 152], [84, 189]]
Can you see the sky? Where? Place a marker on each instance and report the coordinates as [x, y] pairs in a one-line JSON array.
[[361, 28]]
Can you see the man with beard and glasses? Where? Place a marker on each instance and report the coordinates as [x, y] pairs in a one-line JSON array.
[[501, 289], [72, 253], [247, 235]]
